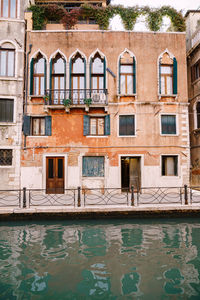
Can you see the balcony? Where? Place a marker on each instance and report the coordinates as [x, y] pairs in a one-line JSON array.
[[74, 98]]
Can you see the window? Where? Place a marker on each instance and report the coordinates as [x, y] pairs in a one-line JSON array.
[[7, 60], [169, 165], [38, 75], [195, 71], [98, 75], [168, 124], [96, 125], [167, 75], [5, 157], [93, 166], [126, 125], [77, 79], [198, 114], [127, 80], [58, 79], [6, 110], [8, 8], [37, 126]]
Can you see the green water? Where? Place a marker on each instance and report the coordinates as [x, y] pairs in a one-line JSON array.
[[116, 259]]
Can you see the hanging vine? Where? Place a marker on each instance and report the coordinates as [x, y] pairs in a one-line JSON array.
[[43, 13]]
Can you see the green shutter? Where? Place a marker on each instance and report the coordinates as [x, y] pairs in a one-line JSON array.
[[104, 73], [70, 74], [85, 77], [107, 125], [27, 125], [120, 75], [86, 125], [50, 81], [64, 78], [48, 125], [45, 76], [174, 76], [134, 76], [31, 76], [160, 76], [90, 75]]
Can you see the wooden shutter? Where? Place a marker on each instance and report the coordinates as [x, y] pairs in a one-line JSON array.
[[174, 76], [48, 125], [31, 76], [50, 81], [134, 76], [159, 76], [86, 125], [120, 75], [45, 76], [27, 125], [107, 125], [104, 71]]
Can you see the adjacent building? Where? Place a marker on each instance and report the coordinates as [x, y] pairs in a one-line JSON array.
[[12, 36], [193, 61], [105, 109]]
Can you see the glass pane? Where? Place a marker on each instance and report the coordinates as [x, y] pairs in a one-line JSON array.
[[58, 66], [198, 115], [50, 168], [100, 126], [39, 66], [42, 126], [169, 167], [36, 85], [94, 82], [101, 79], [36, 126], [75, 82], [13, 8], [93, 129], [127, 69], [11, 61], [5, 8], [162, 85], [166, 69], [3, 63], [169, 85], [62, 85], [81, 82], [129, 84], [41, 85], [168, 124], [55, 82], [78, 66], [60, 168], [122, 89], [126, 125], [97, 66]]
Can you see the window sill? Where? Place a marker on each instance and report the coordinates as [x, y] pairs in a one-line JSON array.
[[97, 136], [37, 96], [126, 136], [169, 134], [38, 136], [169, 176], [7, 124], [167, 96], [9, 78], [93, 177], [126, 95], [6, 167]]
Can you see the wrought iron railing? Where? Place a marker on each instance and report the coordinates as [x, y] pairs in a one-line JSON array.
[[86, 197], [77, 96]]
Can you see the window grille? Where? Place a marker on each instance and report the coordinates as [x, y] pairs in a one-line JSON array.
[[5, 157]]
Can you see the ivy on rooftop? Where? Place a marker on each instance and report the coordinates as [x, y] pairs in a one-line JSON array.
[[42, 14]]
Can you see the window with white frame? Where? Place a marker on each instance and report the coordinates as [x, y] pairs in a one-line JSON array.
[[97, 73], [38, 75], [93, 166], [167, 75], [7, 60], [126, 125], [6, 110], [127, 80], [78, 79], [169, 165], [168, 124], [8, 8], [58, 77], [5, 157]]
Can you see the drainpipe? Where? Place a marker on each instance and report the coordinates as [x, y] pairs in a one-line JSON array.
[[26, 89]]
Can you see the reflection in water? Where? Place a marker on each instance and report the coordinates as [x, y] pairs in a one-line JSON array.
[[100, 260]]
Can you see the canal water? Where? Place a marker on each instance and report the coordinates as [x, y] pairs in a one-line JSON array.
[[100, 259]]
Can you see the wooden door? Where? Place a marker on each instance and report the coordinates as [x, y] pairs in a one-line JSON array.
[[55, 175], [130, 172]]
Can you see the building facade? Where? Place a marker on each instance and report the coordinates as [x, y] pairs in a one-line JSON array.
[[12, 35], [105, 109], [193, 62]]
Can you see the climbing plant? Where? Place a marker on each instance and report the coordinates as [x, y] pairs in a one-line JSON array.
[[102, 15]]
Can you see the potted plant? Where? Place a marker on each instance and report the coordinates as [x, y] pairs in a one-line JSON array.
[[46, 99], [87, 102], [67, 103]]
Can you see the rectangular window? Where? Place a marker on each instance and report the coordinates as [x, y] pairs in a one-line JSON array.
[[6, 110], [93, 166], [168, 124], [127, 125], [38, 126], [5, 157], [8, 8], [7, 62], [166, 79], [170, 165], [96, 126], [195, 71]]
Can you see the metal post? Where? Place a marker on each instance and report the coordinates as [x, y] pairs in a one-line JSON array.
[[132, 195], [24, 197], [79, 196], [186, 194]]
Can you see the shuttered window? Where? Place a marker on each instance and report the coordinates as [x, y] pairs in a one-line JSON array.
[[170, 165], [126, 125], [198, 114], [96, 126], [168, 124], [37, 126], [93, 166], [6, 110], [5, 157], [168, 84]]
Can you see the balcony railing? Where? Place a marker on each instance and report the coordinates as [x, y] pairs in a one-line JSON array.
[[77, 96]]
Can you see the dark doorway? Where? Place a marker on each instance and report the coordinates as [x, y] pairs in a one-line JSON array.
[[130, 172], [55, 175]]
